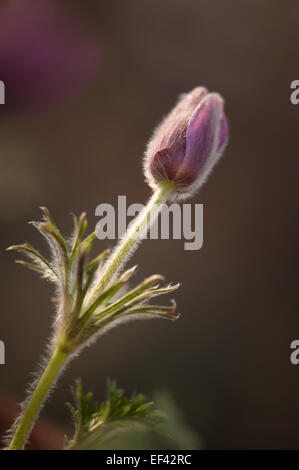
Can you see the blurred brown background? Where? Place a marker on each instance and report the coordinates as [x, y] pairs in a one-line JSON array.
[[226, 360]]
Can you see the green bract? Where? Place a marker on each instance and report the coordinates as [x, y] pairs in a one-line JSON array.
[[82, 314]]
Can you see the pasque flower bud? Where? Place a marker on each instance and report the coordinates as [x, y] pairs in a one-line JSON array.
[[188, 143]]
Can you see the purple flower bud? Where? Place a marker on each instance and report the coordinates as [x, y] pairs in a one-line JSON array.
[[188, 143]]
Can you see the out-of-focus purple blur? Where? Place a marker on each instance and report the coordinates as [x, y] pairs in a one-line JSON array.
[[46, 55]]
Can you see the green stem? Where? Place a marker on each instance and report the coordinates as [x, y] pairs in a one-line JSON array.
[[114, 263], [142, 222], [31, 411]]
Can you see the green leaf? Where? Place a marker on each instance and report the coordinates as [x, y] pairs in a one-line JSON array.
[[129, 423], [139, 295], [82, 313], [49, 226], [80, 226], [138, 292], [31, 266], [156, 310], [95, 424], [107, 294], [35, 256], [96, 262]]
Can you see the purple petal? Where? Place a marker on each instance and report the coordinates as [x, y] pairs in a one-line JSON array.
[[201, 133], [223, 134], [163, 166], [171, 133]]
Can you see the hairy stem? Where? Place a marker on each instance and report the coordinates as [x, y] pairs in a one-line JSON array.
[[126, 246], [28, 418]]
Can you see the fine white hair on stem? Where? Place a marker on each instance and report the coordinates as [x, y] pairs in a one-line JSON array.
[[128, 245], [90, 300], [30, 389]]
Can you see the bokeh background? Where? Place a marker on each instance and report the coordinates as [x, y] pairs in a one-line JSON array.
[[73, 135]]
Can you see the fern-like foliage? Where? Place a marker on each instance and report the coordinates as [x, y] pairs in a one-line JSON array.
[[97, 425]]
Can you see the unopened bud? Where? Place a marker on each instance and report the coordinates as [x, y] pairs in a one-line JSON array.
[[188, 143]]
